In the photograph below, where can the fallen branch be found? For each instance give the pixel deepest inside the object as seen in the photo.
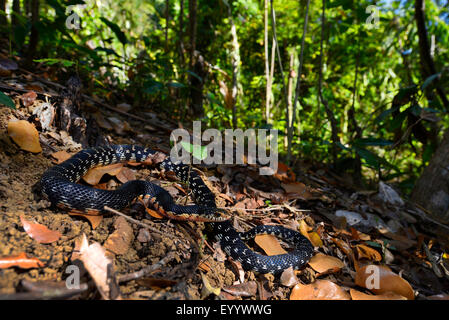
(147, 270)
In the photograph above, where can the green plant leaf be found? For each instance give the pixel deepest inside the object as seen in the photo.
(52, 61)
(7, 101)
(430, 79)
(116, 29)
(199, 152)
(372, 142)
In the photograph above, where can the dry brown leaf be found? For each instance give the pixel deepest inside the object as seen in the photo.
(208, 289)
(25, 135)
(120, 240)
(298, 188)
(94, 175)
(94, 220)
(21, 260)
(357, 295)
(321, 263)
(319, 290)
(288, 277)
(98, 265)
(246, 289)
(39, 232)
(269, 244)
(60, 156)
(343, 246)
(28, 98)
(380, 279)
(125, 175)
(365, 252)
(285, 173)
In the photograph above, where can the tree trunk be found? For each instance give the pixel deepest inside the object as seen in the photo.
(34, 36)
(431, 191)
(196, 65)
(3, 20)
(16, 10)
(427, 65)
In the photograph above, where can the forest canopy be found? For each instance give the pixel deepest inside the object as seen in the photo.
(348, 83)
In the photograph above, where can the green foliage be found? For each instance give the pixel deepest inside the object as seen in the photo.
(132, 47)
(7, 101)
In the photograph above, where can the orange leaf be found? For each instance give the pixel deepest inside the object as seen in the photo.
(25, 135)
(39, 232)
(357, 295)
(365, 252)
(94, 220)
(285, 173)
(304, 229)
(60, 156)
(380, 279)
(21, 260)
(94, 175)
(297, 188)
(315, 239)
(324, 263)
(269, 244)
(126, 175)
(319, 290)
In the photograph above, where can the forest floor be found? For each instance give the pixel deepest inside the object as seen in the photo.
(161, 259)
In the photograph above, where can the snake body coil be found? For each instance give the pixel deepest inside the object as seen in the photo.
(60, 188)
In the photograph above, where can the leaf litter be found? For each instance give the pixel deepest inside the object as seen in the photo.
(350, 230)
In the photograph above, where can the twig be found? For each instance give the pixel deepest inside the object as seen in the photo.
(147, 270)
(135, 221)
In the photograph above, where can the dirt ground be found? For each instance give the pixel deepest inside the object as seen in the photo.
(19, 196)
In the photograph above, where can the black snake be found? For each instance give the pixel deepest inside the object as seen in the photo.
(59, 186)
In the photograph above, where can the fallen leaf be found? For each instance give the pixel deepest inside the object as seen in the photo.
(357, 295)
(380, 279)
(25, 135)
(298, 188)
(319, 290)
(21, 260)
(269, 244)
(94, 175)
(284, 173)
(94, 220)
(120, 240)
(343, 246)
(246, 289)
(322, 263)
(46, 113)
(126, 175)
(28, 98)
(208, 289)
(288, 277)
(60, 156)
(304, 229)
(365, 252)
(99, 266)
(39, 232)
(315, 239)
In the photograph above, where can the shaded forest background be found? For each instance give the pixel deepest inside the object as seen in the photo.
(357, 85)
